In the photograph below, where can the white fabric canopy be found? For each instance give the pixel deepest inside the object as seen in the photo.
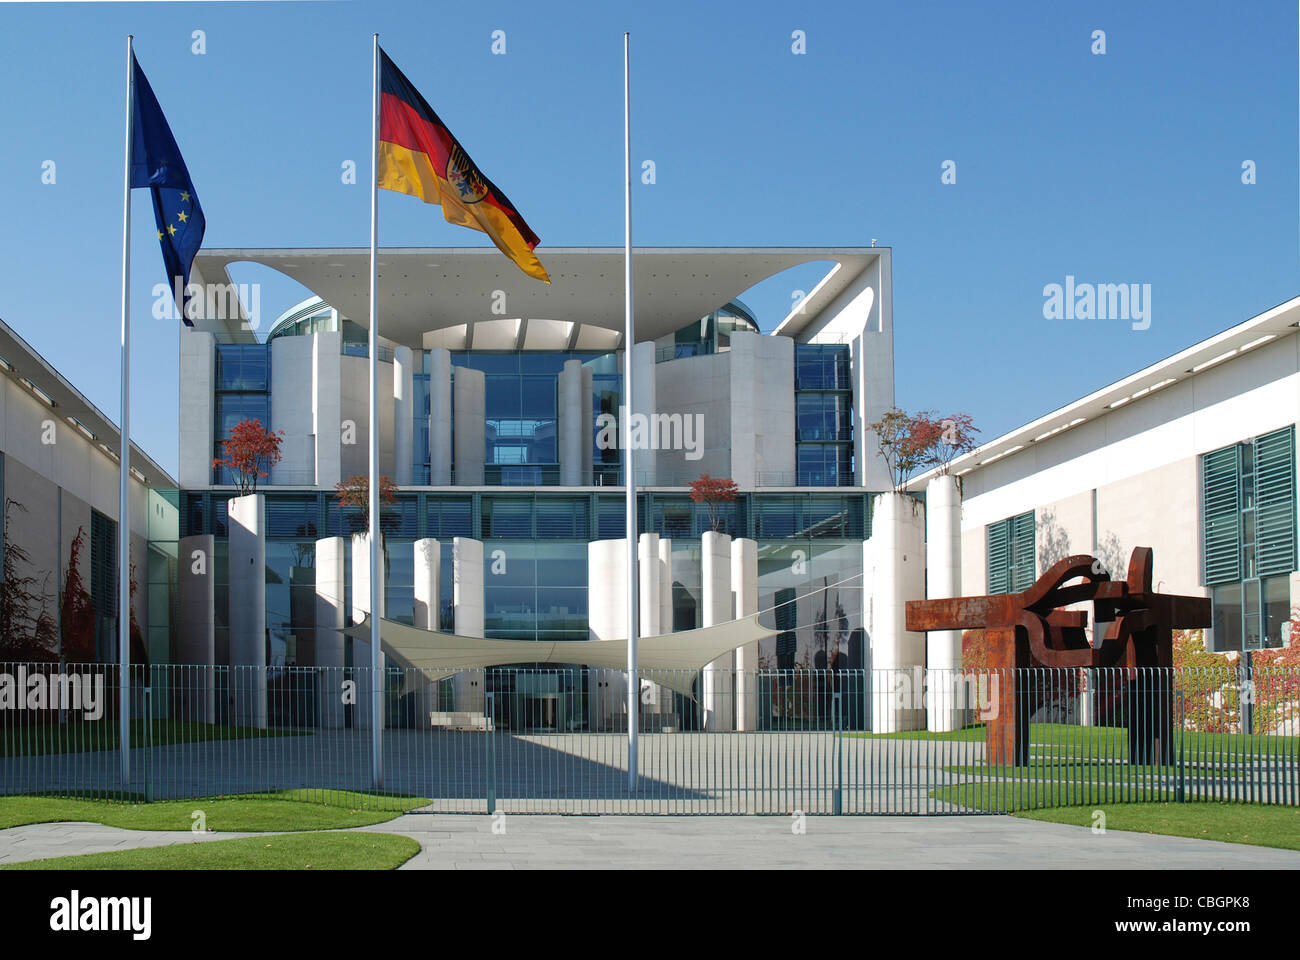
(670, 659)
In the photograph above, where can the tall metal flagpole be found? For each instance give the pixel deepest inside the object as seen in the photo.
(376, 571)
(629, 464)
(124, 464)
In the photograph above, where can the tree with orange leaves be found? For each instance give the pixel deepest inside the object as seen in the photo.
(250, 451)
(713, 491)
(355, 492)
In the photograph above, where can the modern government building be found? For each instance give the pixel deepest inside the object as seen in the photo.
(496, 394)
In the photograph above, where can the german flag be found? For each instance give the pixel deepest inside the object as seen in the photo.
(418, 155)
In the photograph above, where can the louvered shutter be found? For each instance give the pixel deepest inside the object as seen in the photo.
(1275, 502)
(1221, 515)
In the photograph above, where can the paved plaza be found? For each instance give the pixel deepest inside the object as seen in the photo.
(517, 842)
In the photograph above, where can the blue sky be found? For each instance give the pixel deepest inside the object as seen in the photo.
(1122, 168)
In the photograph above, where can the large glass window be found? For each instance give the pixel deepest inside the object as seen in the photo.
(520, 408)
(535, 591)
(822, 366)
(825, 464)
(242, 393)
(823, 415)
(243, 366)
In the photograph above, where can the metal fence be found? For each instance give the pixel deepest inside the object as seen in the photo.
(554, 740)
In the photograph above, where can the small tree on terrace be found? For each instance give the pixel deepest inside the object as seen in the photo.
(355, 492)
(894, 437)
(909, 442)
(938, 441)
(713, 491)
(250, 451)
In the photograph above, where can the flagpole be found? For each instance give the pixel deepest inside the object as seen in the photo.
(629, 342)
(124, 458)
(376, 571)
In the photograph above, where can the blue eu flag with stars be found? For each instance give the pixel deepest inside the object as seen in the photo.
(156, 163)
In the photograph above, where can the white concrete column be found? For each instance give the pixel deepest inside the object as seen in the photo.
(762, 408)
(247, 559)
(428, 582)
(196, 625)
(198, 373)
(588, 427)
(331, 618)
(362, 710)
(665, 586)
(643, 356)
(895, 555)
(467, 602)
(606, 620)
(744, 590)
(403, 414)
(440, 417)
(943, 580)
(717, 686)
(470, 439)
(327, 406)
(569, 427)
(648, 616)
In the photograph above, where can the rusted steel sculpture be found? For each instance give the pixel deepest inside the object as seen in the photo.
(1030, 629)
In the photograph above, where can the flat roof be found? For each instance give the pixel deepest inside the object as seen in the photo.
(29, 369)
(451, 296)
(1271, 325)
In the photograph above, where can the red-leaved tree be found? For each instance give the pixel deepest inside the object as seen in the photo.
(250, 451)
(355, 492)
(713, 492)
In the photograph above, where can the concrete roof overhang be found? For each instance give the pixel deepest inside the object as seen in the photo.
(439, 296)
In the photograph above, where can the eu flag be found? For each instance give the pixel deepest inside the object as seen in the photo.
(156, 163)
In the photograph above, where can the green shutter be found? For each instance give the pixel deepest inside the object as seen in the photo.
(1221, 515)
(1275, 502)
(999, 557)
(1023, 550)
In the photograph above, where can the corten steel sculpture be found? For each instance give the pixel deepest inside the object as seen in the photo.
(1030, 629)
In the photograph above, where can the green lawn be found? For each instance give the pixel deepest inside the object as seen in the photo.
(84, 736)
(289, 810)
(297, 851)
(1005, 796)
(1112, 742)
(1265, 826)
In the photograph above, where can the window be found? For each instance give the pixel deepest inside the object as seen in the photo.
(242, 393)
(1248, 528)
(1011, 565)
(243, 366)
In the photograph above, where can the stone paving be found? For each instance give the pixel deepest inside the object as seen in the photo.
(468, 842)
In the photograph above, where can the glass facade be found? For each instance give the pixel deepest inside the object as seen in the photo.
(535, 591)
(823, 415)
(243, 392)
(522, 416)
(710, 334)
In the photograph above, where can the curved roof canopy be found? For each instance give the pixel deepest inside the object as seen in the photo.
(670, 659)
(439, 296)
